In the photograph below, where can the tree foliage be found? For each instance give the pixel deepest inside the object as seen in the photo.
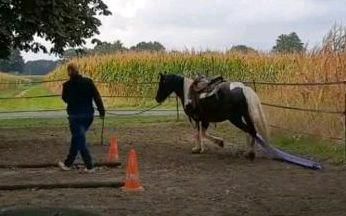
(64, 23)
(14, 63)
(99, 48)
(149, 46)
(289, 43)
(106, 47)
(103, 47)
(39, 67)
(242, 49)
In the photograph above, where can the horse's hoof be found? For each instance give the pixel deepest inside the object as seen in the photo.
(221, 144)
(203, 150)
(196, 150)
(251, 156)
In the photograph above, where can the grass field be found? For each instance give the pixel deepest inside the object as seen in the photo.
(30, 104)
(23, 89)
(20, 91)
(21, 103)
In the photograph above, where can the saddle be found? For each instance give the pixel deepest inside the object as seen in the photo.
(204, 85)
(202, 88)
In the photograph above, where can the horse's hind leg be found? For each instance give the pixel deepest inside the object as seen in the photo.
(251, 143)
(248, 128)
(253, 132)
(217, 140)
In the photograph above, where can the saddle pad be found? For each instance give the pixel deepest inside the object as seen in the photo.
(208, 94)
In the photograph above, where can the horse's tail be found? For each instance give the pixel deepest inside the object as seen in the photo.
(256, 112)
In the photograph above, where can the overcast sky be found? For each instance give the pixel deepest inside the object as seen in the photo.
(216, 24)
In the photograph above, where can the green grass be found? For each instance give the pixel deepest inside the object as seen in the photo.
(12, 92)
(32, 104)
(324, 150)
(29, 104)
(19, 103)
(34, 77)
(331, 151)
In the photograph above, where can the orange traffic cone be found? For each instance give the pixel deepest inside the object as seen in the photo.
(132, 175)
(113, 152)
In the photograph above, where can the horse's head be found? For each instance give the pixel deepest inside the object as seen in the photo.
(168, 83)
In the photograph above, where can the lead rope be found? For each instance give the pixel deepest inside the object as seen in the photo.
(137, 113)
(102, 131)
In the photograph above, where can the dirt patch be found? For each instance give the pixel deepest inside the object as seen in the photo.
(220, 182)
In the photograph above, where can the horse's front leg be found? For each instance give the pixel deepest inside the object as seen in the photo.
(199, 147)
(217, 140)
(214, 139)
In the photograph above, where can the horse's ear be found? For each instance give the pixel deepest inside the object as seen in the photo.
(160, 76)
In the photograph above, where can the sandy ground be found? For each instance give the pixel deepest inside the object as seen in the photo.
(220, 182)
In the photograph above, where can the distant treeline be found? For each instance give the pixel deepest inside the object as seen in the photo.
(103, 47)
(15, 64)
(39, 67)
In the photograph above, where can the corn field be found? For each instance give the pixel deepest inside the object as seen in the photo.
(123, 71)
(9, 81)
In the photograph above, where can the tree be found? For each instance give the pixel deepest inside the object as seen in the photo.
(14, 63)
(106, 47)
(242, 49)
(149, 46)
(335, 39)
(64, 23)
(99, 48)
(290, 43)
(71, 53)
(39, 67)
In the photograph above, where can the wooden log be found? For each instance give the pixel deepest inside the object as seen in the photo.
(48, 165)
(47, 186)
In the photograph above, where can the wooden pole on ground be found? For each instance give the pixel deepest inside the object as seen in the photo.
(49, 165)
(46, 186)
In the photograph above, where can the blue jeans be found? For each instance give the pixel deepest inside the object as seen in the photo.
(78, 127)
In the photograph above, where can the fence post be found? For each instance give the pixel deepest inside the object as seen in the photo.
(254, 85)
(177, 100)
(344, 127)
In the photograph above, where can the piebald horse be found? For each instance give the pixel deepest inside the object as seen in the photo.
(236, 103)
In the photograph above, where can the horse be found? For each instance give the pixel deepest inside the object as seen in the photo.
(235, 102)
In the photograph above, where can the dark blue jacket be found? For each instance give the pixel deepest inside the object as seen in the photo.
(79, 93)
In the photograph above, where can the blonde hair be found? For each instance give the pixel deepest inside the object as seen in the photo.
(72, 67)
